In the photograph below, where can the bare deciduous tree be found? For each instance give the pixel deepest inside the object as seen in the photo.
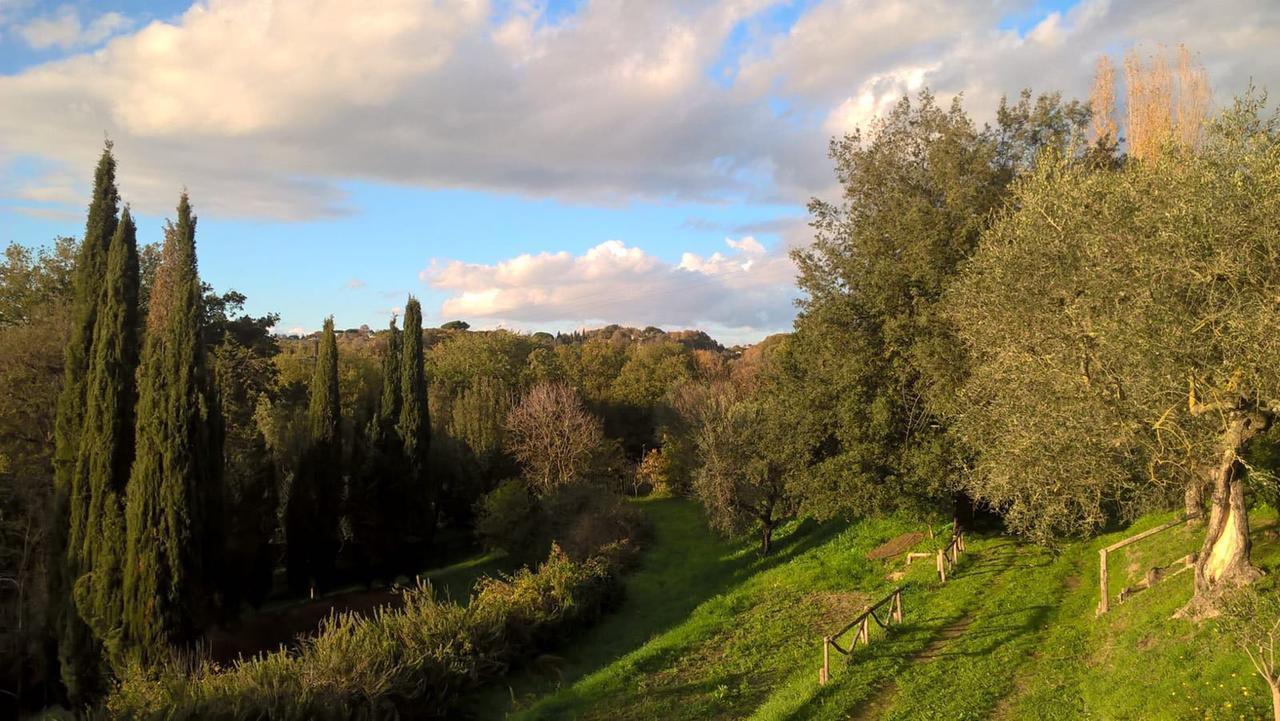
(553, 435)
(1102, 101)
(1164, 106)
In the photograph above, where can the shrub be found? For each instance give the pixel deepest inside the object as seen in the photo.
(580, 517)
(507, 518)
(412, 662)
(584, 519)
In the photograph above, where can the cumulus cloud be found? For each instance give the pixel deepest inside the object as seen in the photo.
(262, 109)
(65, 30)
(266, 109)
(849, 60)
(747, 289)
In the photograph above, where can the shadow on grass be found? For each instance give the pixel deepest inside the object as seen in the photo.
(684, 566)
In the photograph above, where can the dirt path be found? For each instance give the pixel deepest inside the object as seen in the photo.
(894, 547)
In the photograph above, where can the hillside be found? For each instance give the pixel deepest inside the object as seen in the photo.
(709, 630)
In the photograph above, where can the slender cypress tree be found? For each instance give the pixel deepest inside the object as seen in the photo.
(107, 441)
(389, 402)
(372, 501)
(414, 428)
(77, 654)
(314, 498)
(324, 416)
(164, 575)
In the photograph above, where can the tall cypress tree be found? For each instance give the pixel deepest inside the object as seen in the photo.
(414, 429)
(77, 653)
(389, 401)
(164, 575)
(372, 501)
(314, 498)
(107, 441)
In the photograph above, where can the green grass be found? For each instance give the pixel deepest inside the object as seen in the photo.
(709, 630)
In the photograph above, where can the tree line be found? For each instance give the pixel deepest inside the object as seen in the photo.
(1038, 317)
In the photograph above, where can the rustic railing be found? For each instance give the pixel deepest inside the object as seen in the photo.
(863, 623)
(1104, 602)
(948, 557)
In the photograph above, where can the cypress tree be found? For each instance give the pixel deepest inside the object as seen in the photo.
(312, 516)
(414, 429)
(175, 463)
(107, 441)
(389, 402)
(372, 501)
(77, 654)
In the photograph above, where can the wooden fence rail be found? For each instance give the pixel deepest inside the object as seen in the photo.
(1104, 602)
(893, 615)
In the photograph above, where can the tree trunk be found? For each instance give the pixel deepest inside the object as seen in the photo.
(1223, 561)
(766, 537)
(1275, 700)
(1193, 500)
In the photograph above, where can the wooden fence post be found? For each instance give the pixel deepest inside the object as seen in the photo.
(897, 607)
(826, 661)
(1103, 602)
(942, 566)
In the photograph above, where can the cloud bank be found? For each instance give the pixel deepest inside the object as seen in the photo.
(263, 109)
(744, 291)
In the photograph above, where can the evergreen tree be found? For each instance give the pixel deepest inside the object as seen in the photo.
(372, 500)
(414, 428)
(76, 652)
(107, 441)
(243, 376)
(312, 516)
(177, 461)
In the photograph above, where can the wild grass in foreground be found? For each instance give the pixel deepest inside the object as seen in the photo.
(406, 663)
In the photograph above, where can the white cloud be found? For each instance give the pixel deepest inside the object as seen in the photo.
(261, 109)
(265, 109)
(354, 284)
(64, 29)
(746, 290)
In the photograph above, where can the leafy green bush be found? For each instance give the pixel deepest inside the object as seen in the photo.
(407, 663)
(507, 518)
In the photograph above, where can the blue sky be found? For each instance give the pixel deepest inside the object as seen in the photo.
(518, 164)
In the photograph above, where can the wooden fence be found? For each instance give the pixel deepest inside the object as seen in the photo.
(1104, 602)
(950, 556)
(863, 623)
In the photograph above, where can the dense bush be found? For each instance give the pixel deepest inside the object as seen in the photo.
(407, 663)
(580, 518)
(507, 518)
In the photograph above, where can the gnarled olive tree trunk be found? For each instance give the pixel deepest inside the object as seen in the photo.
(1224, 558)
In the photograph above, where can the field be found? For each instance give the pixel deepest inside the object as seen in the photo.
(710, 630)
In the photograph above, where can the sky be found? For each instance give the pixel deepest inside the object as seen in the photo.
(522, 164)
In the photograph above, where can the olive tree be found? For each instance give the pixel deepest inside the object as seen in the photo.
(1122, 330)
(750, 455)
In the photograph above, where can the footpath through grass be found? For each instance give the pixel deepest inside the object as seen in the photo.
(710, 630)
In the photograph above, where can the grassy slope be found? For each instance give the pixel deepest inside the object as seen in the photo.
(710, 631)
